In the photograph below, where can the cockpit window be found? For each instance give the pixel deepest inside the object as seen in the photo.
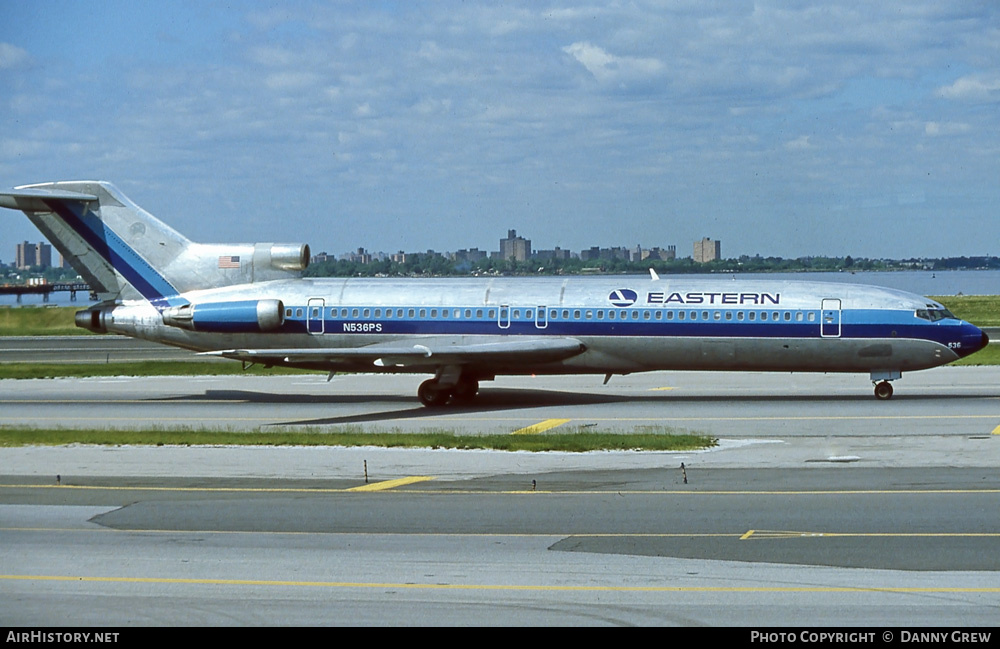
(934, 314)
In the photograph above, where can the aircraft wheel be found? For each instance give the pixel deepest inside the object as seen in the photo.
(883, 391)
(431, 396)
(466, 390)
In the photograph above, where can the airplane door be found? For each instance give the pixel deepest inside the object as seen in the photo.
(541, 317)
(314, 315)
(829, 325)
(503, 317)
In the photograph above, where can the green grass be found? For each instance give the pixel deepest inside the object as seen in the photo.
(39, 321)
(646, 439)
(980, 310)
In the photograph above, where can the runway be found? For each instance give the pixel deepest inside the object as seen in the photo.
(821, 506)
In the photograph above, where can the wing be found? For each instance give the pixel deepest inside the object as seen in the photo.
(430, 352)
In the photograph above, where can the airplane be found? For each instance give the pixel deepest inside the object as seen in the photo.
(249, 302)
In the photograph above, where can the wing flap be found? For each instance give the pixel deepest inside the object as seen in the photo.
(415, 352)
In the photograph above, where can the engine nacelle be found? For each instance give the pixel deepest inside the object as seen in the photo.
(244, 316)
(284, 256)
(93, 319)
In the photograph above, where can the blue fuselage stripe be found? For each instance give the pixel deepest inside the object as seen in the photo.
(858, 324)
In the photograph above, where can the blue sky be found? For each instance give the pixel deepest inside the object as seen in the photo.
(780, 128)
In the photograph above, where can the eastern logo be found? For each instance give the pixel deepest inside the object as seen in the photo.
(623, 297)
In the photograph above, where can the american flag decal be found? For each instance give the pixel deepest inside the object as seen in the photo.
(229, 261)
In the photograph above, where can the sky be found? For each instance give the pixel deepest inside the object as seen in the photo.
(789, 129)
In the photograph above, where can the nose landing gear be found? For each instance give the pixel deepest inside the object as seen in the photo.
(883, 391)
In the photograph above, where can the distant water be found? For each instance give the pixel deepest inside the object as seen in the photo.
(922, 282)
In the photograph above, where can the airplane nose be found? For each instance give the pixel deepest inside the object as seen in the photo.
(986, 340)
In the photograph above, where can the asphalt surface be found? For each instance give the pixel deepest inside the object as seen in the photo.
(820, 507)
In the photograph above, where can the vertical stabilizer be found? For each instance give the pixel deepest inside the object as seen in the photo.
(126, 253)
(115, 245)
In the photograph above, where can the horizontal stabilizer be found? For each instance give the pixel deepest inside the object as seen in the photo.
(34, 200)
(420, 351)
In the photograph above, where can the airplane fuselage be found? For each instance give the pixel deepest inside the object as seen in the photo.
(626, 324)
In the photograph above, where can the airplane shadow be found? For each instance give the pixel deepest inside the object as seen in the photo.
(508, 399)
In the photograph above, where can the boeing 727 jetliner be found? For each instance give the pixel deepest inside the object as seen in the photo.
(248, 302)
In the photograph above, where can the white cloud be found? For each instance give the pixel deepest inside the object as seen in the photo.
(610, 68)
(972, 89)
(934, 129)
(12, 56)
(800, 143)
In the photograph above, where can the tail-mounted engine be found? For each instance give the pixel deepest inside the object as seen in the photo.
(245, 316)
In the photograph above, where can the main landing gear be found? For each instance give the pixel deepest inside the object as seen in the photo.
(435, 393)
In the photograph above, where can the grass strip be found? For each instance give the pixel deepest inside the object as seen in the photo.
(645, 439)
(980, 310)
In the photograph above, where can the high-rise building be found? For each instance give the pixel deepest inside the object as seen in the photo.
(515, 247)
(33, 254)
(707, 250)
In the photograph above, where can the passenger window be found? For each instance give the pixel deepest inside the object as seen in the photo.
(670, 315)
(468, 313)
(611, 315)
(354, 313)
(288, 313)
(812, 316)
(576, 314)
(659, 315)
(378, 313)
(694, 315)
(718, 316)
(646, 315)
(763, 315)
(298, 313)
(479, 313)
(752, 315)
(739, 315)
(434, 313)
(492, 313)
(680, 315)
(423, 313)
(410, 313)
(729, 315)
(367, 313)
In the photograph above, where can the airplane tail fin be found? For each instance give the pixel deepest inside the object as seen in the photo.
(124, 252)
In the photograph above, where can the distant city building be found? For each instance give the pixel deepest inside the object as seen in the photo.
(474, 254)
(33, 254)
(668, 254)
(515, 247)
(707, 250)
(558, 254)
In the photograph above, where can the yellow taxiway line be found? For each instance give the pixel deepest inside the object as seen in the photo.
(540, 427)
